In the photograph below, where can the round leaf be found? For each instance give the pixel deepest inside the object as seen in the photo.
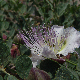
(11, 78)
(4, 53)
(23, 66)
(1, 78)
(65, 74)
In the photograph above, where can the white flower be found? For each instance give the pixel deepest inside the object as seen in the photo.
(50, 42)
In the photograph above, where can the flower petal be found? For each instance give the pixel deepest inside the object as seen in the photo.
(72, 36)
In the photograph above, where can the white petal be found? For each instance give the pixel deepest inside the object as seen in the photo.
(71, 41)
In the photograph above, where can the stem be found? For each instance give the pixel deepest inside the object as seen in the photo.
(2, 69)
(6, 72)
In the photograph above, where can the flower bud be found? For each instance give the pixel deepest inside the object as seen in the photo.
(4, 37)
(14, 51)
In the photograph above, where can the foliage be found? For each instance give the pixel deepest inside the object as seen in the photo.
(1, 78)
(11, 78)
(23, 66)
(18, 15)
(66, 74)
(4, 53)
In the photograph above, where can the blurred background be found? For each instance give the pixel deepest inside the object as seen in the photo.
(24, 13)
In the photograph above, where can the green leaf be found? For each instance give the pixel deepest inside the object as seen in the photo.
(1, 0)
(68, 18)
(51, 1)
(66, 74)
(5, 62)
(78, 50)
(1, 11)
(28, 52)
(4, 53)
(1, 78)
(78, 73)
(4, 25)
(72, 62)
(40, 11)
(23, 49)
(1, 17)
(74, 73)
(70, 22)
(10, 14)
(9, 43)
(78, 65)
(6, 7)
(23, 66)
(5, 77)
(50, 74)
(14, 2)
(50, 14)
(50, 4)
(58, 78)
(23, 9)
(3, 3)
(12, 60)
(31, 9)
(61, 8)
(12, 31)
(11, 77)
(47, 19)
